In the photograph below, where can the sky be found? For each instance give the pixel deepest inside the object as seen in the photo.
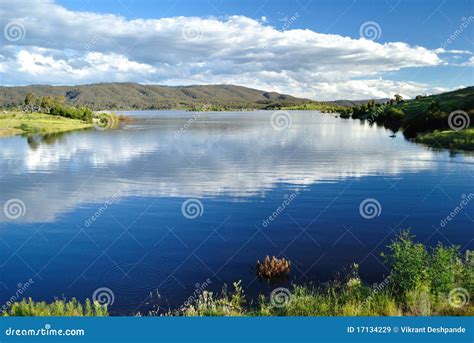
(323, 50)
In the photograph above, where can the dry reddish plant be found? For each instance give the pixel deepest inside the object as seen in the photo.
(273, 268)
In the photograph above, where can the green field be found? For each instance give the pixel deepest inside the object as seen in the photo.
(453, 140)
(16, 123)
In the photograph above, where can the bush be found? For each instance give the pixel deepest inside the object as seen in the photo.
(273, 268)
(393, 113)
(27, 307)
(422, 279)
(409, 265)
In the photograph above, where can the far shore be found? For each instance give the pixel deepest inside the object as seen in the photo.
(20, 123)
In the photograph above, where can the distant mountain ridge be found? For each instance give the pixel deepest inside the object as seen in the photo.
(102, 96)
(123, 96)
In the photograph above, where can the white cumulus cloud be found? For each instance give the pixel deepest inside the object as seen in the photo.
(70, 47)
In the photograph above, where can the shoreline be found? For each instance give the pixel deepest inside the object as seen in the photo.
(14, 123)
(20, 123)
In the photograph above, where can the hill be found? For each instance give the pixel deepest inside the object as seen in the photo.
(104, 96)
(441, 120)
(351, 103)
(460, 99)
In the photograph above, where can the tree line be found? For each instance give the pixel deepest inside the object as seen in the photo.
(55, 106)
(422, 114)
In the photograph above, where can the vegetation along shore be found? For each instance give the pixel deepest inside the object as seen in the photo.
(441, 121)
(421, 282)
(51, 115)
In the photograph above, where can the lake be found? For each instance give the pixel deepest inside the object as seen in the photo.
(172, 201)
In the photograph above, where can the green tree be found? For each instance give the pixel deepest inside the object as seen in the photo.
(47, 103)
(30, 101)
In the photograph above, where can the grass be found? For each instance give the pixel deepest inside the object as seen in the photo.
(14, 123)
(314, 106)
(454, 140)
(449, 101)
(29, 308)
(421, 282)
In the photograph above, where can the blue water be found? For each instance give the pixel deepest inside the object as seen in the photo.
(241, 170)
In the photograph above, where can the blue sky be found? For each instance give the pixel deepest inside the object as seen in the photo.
(331, 58)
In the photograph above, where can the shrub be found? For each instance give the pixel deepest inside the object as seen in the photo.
(273, 268)
(409, 264)
(28, 307)
(422, 279)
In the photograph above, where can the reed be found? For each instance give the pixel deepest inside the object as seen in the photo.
(273, 268)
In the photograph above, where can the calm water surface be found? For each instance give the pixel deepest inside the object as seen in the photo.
(105, 208)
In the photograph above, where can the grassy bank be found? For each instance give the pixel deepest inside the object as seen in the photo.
(15, 123)
(426, 119)
(422, 282)
(30, 308)
(453, 140)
